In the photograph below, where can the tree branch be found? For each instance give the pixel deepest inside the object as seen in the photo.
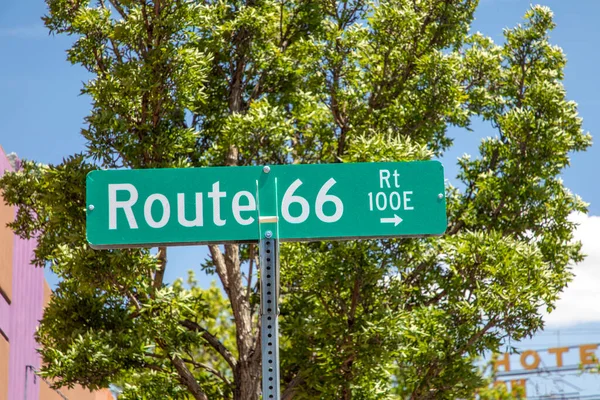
(119, 9)
(213, 341)
(238, 300)
(186, 378)
(491, 323)
(209, 369)
(162, 265)
(354, 303)
(290, 390)
(219, 262)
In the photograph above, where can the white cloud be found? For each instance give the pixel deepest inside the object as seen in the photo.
(579, 301)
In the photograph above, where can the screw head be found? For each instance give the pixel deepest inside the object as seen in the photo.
(266, 169)
(268, 234)
(91, 207)
(440, 196)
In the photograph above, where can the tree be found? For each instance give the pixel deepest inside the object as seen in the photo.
(500, 392)
(191, 84)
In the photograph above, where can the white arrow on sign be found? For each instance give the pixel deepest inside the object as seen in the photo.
(396, 220)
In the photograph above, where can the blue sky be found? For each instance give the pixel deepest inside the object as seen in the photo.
(41, 113)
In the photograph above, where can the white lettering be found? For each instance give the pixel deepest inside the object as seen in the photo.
(126, 205)
(395, 201)
(183, 221)
(237, 208)
(396, 175)
(323, 197)
(385, 178)
(381, 201)
(216, 195)
(406, 200)
(166, 210)
(288, 199)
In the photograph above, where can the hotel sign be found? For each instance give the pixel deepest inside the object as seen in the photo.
(530, 360)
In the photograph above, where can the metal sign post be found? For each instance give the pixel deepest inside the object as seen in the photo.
(268, 222)
(269, 296)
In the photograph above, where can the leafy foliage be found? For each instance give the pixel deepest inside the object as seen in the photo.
(190, 84)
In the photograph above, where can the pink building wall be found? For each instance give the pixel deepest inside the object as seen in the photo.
(20, 313)
(19, 319)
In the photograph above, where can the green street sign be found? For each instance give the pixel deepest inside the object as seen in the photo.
(129, 208)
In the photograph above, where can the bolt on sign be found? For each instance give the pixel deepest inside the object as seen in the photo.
(128, 208)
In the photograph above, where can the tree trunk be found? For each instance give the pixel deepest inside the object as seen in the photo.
(247, 381)
(247, 369)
